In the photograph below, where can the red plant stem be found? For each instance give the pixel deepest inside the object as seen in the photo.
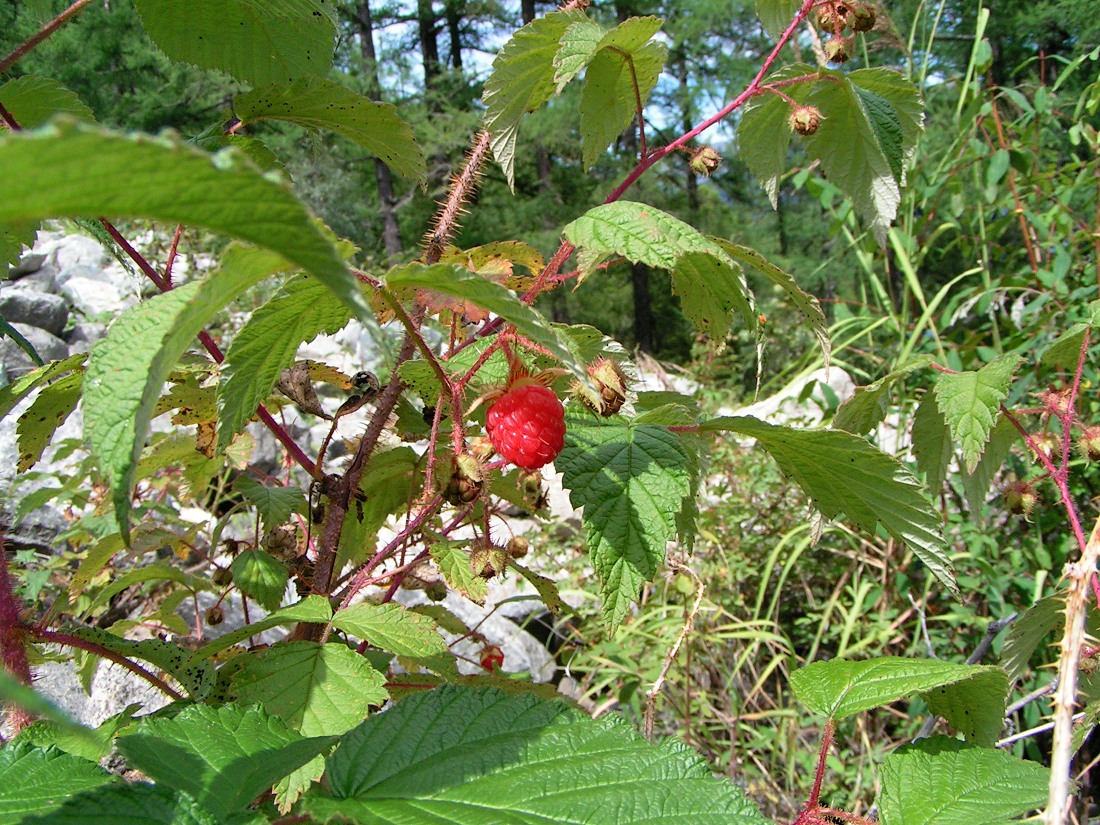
(68, 640)
(751, 90)
(42, 34)
(135, 256)
(362, 577)
(340, 500)
(819, 774)
(172, 254)
(13, 651)
(9, 119)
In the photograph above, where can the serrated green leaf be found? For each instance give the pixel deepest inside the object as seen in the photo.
(638, 232)
(631, 481)
(970, 403)
(974, 707)
(522, 80)
(609, 100)
(13, 238)
(385, 489)
(547, 589)
(274, 504)
(841, 472)
(710, 291)
(196, 677)
(128, 803)
(127, 369)
(223, 757)
(35, 427)
(931, 442)
(266, 345)
(11, 394)
(256, 41)
(941, 781)
(867, 407)
(460, 282)
(776, 15)
(575, 48)
(1066, 349)
(319, 690)
(34, 100)
(33, 781)
(87, 743)
(483, 756)
(319, 103)
(260, 576)
(313, 609)
(454, 563)
(976, 484)
(840, 688)
(67, 169)
(1027, 633)
(764, 135)
(393, 628)
(806, 304)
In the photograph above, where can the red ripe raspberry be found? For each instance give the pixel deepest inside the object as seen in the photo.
(527, 425)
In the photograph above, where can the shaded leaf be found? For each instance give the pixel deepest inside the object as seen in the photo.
(319, 103)
(931, 442)
(609, 100)
(266, 345)
(223, 757)
(976, 485)
(867, 407)
(275, 504)
(1028, 632)
(711, 290)
(260, 576)
(776, 15)
(34, 100)
(256, 41)
(841, 472)
(806, 304)
(974, 707)
(128, 803)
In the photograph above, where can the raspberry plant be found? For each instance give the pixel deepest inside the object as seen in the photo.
(291, 732)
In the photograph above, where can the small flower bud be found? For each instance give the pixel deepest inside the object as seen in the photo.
(862, 17)
(488, 560)
(805, 120)
(1019, 498)
(1088, 443)
(517, 547)
(704, 161)
(466, 481)
(215, 616)
(837, 50)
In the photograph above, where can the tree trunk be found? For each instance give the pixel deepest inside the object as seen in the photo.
(391, 235)
(643, 307)
(429, 50)
(527, 9)
(453, 11)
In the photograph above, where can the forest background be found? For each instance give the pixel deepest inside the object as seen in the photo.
(995, 251)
